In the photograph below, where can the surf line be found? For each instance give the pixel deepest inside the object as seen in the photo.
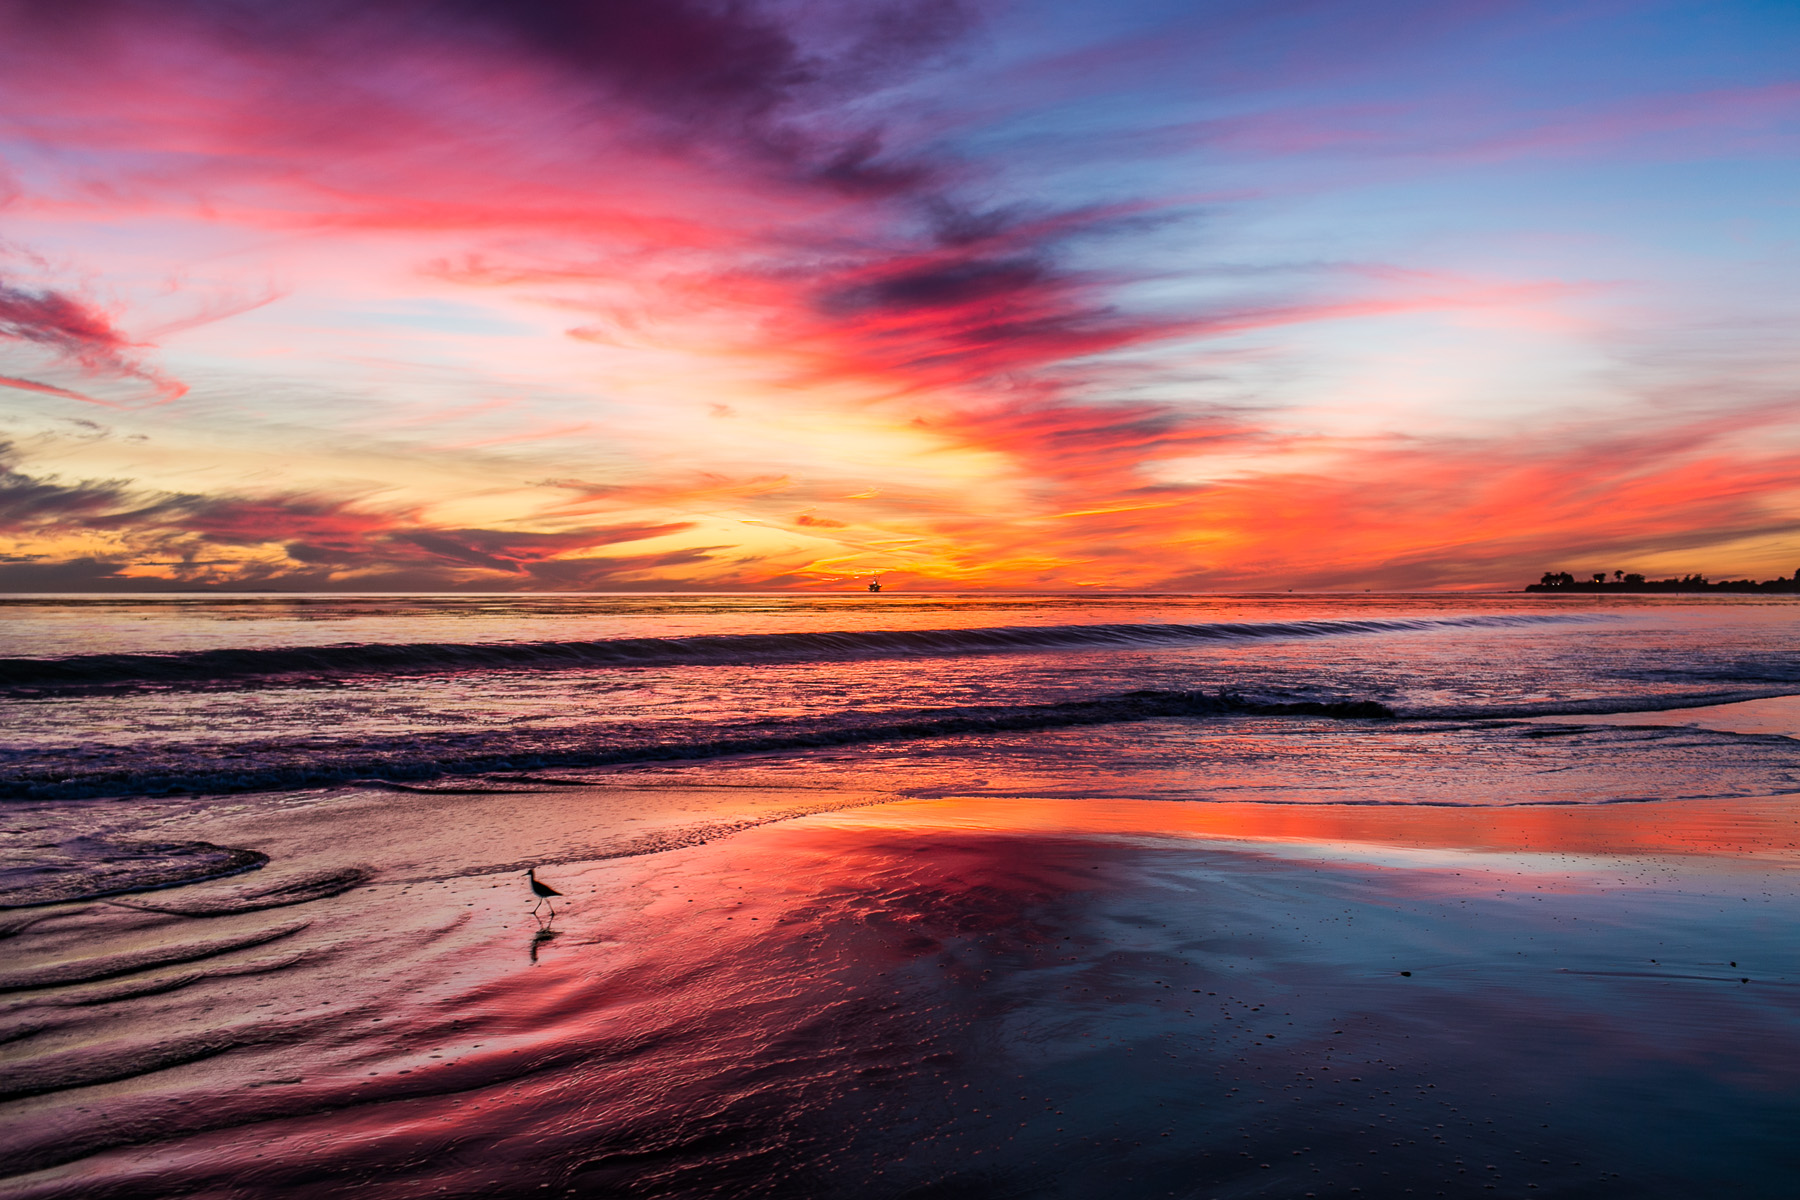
(416, 760)
(297, 663)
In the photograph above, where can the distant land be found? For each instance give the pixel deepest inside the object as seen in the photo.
(1622, 581)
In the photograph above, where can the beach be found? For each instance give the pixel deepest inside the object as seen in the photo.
(1237, 953)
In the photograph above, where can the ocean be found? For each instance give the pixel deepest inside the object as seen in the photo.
(908, 895)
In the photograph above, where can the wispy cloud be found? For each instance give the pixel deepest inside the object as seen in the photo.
(74, 333)
(240, 540)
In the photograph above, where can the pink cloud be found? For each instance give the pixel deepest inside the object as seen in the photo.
(74, 333)
(32, 385)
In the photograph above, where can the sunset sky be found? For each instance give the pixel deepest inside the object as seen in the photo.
(1030, 295)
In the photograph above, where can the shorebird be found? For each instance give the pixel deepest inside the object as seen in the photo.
(541, 890)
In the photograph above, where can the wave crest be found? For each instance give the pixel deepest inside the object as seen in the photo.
(238, 665)
(278, 765)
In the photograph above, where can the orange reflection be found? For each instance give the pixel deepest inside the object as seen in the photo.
(1762, 828)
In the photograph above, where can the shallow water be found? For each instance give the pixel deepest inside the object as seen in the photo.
(1465, 949)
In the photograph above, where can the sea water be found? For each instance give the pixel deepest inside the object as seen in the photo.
(134, 695)
(899, 895)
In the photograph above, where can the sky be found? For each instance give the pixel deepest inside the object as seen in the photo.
(1040, 295)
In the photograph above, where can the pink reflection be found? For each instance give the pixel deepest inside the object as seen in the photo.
(885, 994)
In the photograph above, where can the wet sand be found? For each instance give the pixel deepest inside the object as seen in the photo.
(1774, 715)
(818, 991)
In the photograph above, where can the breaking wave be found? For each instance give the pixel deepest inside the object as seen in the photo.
(238, 665)
(436, 759)
(270, 765)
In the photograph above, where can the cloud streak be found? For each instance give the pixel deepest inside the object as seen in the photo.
(74, 333)
(335, 542)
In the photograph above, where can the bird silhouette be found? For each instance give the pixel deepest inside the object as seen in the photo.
(541, 890)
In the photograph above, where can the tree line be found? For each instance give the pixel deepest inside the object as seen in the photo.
(1631, 581)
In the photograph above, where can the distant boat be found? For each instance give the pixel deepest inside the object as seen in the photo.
(875, 584)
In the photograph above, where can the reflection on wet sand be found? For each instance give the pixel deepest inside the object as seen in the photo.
(946, 996)
(1763, 829)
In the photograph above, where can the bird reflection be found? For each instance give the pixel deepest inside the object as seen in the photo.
(543, 892)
